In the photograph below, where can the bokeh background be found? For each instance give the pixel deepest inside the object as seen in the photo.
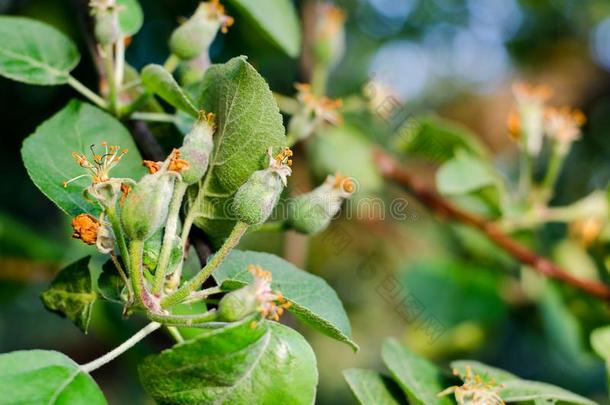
(456, 58)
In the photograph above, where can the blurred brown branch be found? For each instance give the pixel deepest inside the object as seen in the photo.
(393, 171)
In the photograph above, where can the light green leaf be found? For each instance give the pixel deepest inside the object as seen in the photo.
(159, 81)
(45, 377)
(47, 154)
(344, 149)
(372, 388)
(420, 380)
(71, 294)
(600, 341)
(515, 389)
(277, 20)
(436, 139)
(248, 122)
(130, 17)
(237, 364)
(313, 300)
(463, 174)
(34, 52)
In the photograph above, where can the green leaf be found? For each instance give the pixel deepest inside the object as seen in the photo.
(344, 149)
(34, 52)
(372, 388)
(237, 364)
(313, 300)
(419, 379)
(47, 154)
(600, 341)
(515, 389)
(109, 283)
(130, 17)
(71, 294)
(159, 81)
(436, 139)
(277, 20)
(248, 122)
(44, 377)
(463, 174)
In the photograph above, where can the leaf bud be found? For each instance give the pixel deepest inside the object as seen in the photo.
(255, 199)
(312, 212)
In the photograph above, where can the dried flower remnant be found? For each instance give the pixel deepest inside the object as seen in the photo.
(271, 303)
(315, 112)
(85, 227)
(98, 168)
(526, 122)
(475, 390)
(563, 124)
(322, 107)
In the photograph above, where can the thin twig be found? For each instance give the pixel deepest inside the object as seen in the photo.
(392, 170)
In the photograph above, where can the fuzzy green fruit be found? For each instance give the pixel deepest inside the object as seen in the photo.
(145, 209)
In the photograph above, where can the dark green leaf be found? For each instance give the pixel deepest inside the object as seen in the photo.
(313, 300)
(275, 19)
(130, 17)
(47, 154)
(372, 388)
(71, 294)
(248, 122)
(45, 377)
(35, 53)
(237, 364)
(515, 389)
(109, 284)
(420, 380)
(159, 81)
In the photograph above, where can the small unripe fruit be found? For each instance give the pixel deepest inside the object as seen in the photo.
(238, 304)
(107, 30)
(312, 212)
(255, 199)
(145, 208)
(194, 37)
(197, 147)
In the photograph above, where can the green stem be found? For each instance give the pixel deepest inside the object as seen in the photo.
(123, 276)
(278, 226)
(553, 171)
(184, 320)
(525, 174)
(109, 67)
(171, 227)
(122, 348)
(119, 63)
(153, 117)
(196, 282)
(84, 90)
(171, 63)
(117, 229)
(175, 333)
(319, 79)
(136, 248)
